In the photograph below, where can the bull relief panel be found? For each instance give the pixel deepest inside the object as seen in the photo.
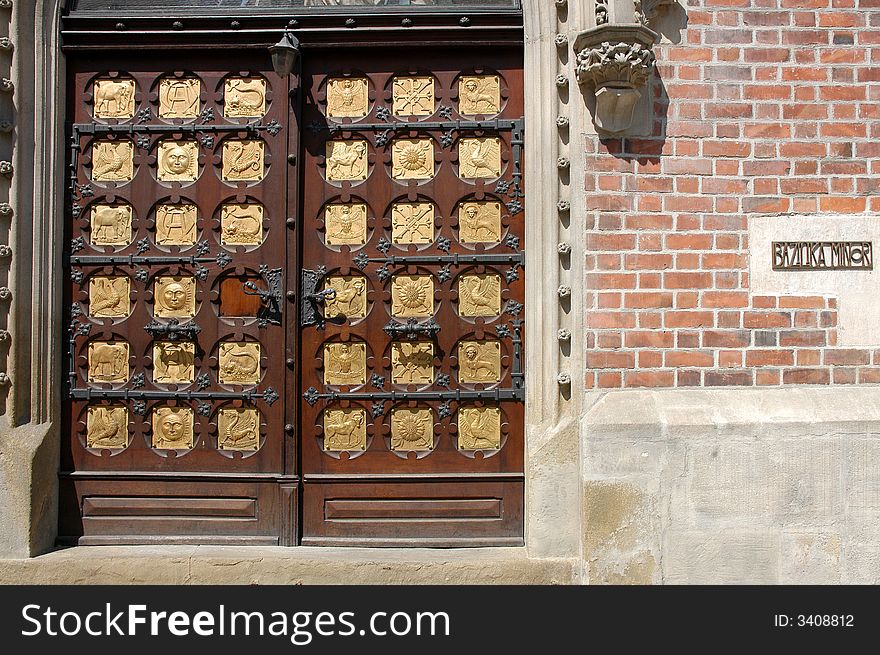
(345, 224)
(109, 296)
(238, 429)
(178, 161)
(107, 427)
(413, 96)
(479, 95)
(114, 98)
(112, 161)
(346, 160)
(108, 361)
(412, 222)
(179, 97)
(412, 429)
(345, 363)
(241, 224)
(175, 297)
(345, 429)
(347, 97)
(173, 428)
(240, 362)
(479, 428)
(176, 224)
(174, 362)
(110, 225)
(243, 160)
(244, 97)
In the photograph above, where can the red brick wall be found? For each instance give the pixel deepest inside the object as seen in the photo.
(766, 107)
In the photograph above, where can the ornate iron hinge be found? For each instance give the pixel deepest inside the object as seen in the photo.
(312, 395)
(270, 297)
(268, 396)
(411, 329)
(312, 299)
(173, 330)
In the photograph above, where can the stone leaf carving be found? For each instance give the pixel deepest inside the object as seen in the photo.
(629, 63)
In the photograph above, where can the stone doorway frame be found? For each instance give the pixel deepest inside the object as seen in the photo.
(30, 428)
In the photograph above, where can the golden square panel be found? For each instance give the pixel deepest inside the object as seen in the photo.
(114, 98)
(413, 96)
(479, 222)
(347, 97)
(108, 361)
(479, 361)
(412, 362)
(241, 224)
(112, 161)
(174, 296)
(412, 295)
(345, 224)
(176, 224)
(479, 157)
(244, 97)
(109, 296)
(479, 94)
(172, 427)
(243, 160)
(479, 428)
(412, 159)
(238, 429)
(345, 363)
(174, 362)
(178, 161)
(479, 295)
(351, 296)
(412, 222)
(345, 429)
(346, 160)
(110, 225)
(179, 97)
(239, 362)
(412, 429)
(107, 427)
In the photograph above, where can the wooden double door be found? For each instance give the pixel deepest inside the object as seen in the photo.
(295, 304)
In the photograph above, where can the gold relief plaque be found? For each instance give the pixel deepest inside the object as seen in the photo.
(241, 224)
(479, 295)
(412, 222)
(479, 361)
(479, 158)
(413, 96)
(479, 94)
(238, 429)
(412, 362)
(112, 161)
(107, 427)
(347, 97)
(479, 428)
(174, 362)
(173, 427)
(174, 297)
(412, 159)
(346, 160)
(412, 295)
(345, 224)
(479, 222)
(244, 97)
(243, 160)
(412, 429)
(345, 429)
(240, 362)
(351, 296)
(179, 98)
(110, 225)
(345, 363)
(178, 161)
(176, 224)
(108, 361)
(109, 296)
(114, 99)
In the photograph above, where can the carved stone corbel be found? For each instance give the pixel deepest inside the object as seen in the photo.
(614, 62)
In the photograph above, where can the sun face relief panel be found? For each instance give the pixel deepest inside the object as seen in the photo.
(413, 293)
